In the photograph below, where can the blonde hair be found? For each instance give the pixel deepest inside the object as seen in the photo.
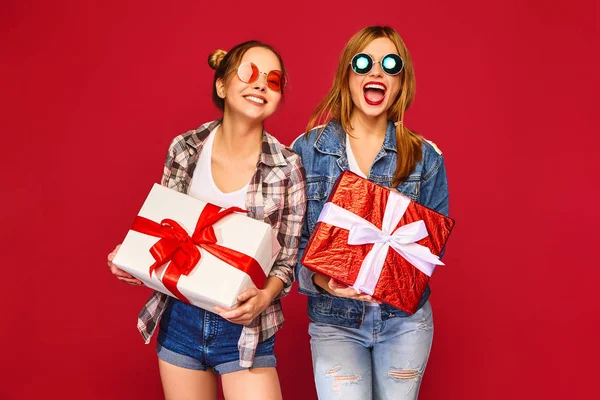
(215, 58)
(225, 63)
(337, 104)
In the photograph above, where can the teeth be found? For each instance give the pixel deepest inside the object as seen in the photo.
(255, 99)
(375, 86)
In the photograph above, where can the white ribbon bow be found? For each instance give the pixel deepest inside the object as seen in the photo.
(402, 240)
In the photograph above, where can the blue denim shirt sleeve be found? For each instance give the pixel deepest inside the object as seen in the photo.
(434, 188)
(304, 275)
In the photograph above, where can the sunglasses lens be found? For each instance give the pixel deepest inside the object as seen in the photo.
(247, 72)
(362, 63)
(275, 80)
(392, 64)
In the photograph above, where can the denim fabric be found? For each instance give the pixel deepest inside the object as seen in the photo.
(324, 159)
(382, 360)
(193, 338)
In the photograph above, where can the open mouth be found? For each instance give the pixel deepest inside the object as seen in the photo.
(374, 93)
(256, 100)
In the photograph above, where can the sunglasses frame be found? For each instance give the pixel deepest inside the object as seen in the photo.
(373, 62)
(254, 67)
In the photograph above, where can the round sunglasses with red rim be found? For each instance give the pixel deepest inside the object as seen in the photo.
(248, 73)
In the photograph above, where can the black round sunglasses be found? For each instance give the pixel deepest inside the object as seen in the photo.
(391, 64)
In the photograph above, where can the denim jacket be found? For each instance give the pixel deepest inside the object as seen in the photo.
(324, 158)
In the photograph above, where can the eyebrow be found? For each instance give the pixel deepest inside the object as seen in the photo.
(393, 52)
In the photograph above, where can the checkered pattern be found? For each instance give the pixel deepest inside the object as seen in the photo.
(276, 195)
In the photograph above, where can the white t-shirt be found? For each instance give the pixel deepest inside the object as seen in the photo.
(352, 161)
(356, 169)
(203, 186)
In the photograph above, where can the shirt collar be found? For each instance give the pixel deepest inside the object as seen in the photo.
(270, 155)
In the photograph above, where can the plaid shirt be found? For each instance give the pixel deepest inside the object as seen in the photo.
(276, 194)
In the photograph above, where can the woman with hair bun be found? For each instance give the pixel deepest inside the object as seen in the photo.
(232, 162)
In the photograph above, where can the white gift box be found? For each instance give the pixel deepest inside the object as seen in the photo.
(212, 281)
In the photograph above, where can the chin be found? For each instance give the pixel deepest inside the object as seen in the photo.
(256, 117)
(371, 111)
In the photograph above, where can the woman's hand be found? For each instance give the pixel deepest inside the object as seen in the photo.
(338, 289)
(252, 303)
(119, 273)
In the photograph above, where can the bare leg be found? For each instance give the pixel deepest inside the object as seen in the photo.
(187, 384)
(252, 384)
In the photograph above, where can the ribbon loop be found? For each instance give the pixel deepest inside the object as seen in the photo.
(361, 234)
(410, 233)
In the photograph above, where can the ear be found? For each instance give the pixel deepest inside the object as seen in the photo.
(220, 86)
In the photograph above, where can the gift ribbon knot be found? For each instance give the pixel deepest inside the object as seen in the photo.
(181, 250)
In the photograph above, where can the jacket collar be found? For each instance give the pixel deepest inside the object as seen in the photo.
(332, 139)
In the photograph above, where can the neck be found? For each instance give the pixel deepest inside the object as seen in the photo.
(364, 125)
(239, 137)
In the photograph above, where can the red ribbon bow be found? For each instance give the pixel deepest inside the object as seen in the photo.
(181, 249)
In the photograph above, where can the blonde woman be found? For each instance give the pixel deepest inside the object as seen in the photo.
(361, 349)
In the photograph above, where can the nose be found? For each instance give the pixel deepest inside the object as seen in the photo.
(261, 82)
(376, 70)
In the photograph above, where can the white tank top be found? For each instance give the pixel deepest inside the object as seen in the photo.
(203, 186)
(353, 165)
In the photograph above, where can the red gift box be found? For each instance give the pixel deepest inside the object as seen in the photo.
(378, 241)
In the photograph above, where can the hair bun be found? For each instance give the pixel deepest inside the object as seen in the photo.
(215, 58)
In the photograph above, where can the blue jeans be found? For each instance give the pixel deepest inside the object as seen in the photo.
(193, 338)
(381, 360)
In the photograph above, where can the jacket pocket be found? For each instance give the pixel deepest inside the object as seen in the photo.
(316, 194)
(410, 187)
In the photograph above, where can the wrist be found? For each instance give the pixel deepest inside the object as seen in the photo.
(321, 282)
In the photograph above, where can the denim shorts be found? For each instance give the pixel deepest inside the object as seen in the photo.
(193, 338)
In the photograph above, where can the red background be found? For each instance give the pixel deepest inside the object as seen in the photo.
(93, 92)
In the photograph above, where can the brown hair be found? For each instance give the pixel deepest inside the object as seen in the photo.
(225, 63)
(337, 104)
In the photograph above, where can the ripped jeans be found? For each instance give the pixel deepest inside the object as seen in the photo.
(382, 360)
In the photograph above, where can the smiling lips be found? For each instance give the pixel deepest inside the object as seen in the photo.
(259, 100)
(374, 93)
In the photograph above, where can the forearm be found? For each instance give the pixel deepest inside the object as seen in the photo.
(273, 287)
